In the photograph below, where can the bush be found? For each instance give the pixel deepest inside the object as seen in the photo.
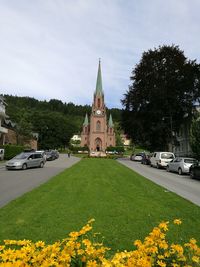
(12, 150)
(114, 149)
(79, 148)
(78, 250)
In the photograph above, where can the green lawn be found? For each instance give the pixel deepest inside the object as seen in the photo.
(124, 204)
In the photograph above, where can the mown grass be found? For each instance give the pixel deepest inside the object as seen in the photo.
(125, 205)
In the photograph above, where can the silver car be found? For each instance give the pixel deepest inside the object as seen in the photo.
(26, 160)
(180, 165)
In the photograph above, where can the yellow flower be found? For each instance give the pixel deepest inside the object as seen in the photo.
(91, 220)
(164, 225)
(177, 221)
(161, 263)
(195, 259)
(40, 244)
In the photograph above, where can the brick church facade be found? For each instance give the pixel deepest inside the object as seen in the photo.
(97, 132)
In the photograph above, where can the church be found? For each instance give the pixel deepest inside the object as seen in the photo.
(98, 132)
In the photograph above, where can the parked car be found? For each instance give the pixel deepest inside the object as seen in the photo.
(51, 155)
(145, 159)
(180, 165)
(195, 171)
(26, 160)
(137, 157)
(43, 154)
(161, 159)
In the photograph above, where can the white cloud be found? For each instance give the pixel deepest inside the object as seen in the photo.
(50, 48)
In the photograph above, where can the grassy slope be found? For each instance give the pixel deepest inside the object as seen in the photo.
(125, 205)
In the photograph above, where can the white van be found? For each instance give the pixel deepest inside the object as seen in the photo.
(1, 153)
(161, 159)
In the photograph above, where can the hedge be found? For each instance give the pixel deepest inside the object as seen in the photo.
(12, 150)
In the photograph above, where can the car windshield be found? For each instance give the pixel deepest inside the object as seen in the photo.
(21, 156)
(167, 156)
(190, 161)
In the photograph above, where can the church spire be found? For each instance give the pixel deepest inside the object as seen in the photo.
(110, 122)
(86, 120)
(99, 90)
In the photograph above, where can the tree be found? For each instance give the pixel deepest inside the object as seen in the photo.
(164, 86)
(54, 129)
(23, 128)
(195, 137)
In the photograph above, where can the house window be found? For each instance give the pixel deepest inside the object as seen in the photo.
(98, 126)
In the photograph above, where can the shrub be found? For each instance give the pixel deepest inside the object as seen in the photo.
(12, 150)
(78, 250)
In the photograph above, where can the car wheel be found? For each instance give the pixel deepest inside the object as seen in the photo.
(180, 171)
(24, 166)
(167, 169)
(192, 174)
(41, 164)
(157, 166)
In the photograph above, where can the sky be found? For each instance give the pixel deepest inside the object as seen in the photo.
(49, 49)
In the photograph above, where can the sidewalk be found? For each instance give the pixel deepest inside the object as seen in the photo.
(2, 164)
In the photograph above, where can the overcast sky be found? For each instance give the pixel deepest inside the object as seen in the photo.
(50, 48)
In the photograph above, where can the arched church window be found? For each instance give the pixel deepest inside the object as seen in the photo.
(98, 102)
(98, 126)
(110, 130)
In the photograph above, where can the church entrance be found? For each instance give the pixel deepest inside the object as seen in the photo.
(98, 144)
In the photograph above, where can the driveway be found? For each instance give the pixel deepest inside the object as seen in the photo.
(182, 185)
(15, 183)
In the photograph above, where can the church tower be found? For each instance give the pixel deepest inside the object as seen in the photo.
(98, 134)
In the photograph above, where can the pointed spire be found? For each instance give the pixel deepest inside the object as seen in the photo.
(99, 90)
(110, 122)
(86, 120)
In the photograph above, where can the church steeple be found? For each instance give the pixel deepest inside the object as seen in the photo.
(99, 89)
(86, 120)
(110, 122)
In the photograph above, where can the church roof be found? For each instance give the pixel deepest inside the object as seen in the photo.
(86, 120)
(99, 89)
(110, 122)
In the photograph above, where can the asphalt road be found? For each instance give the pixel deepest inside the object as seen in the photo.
(15, 183)
(182, 185)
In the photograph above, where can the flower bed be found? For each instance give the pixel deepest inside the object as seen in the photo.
(79, 250)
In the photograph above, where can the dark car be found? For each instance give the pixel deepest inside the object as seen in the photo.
(145, 159)
(195, 171)
(52, 154)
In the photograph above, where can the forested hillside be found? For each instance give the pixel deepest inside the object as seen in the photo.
(53, 120)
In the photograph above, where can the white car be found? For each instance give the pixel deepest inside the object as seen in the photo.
(181, 165)
(161, 159)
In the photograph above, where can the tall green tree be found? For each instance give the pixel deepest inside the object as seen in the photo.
(195, 137)
(54, 129)
(164, 86)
